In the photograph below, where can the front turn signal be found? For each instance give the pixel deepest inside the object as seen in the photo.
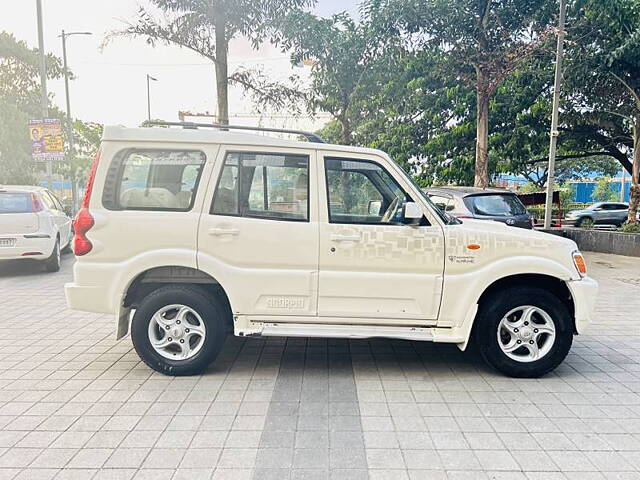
(580, 264)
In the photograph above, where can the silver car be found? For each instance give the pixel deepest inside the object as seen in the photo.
(600, 213)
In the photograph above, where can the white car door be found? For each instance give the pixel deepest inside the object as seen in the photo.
(258, 234)
(374, 269)
(61, 219)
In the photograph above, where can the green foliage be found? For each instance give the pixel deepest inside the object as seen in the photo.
(604, 192)
(19, 103)
(631, 227)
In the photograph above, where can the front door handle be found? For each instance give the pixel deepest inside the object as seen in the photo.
(223, 231)
(345, 238)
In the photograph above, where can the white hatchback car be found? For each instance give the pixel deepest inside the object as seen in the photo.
(33, 225)
(187, 234)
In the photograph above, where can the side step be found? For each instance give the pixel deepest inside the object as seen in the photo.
(338, 331)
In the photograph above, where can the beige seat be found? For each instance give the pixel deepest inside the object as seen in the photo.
(148, 198)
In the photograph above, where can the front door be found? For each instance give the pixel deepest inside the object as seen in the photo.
(259, 237)
(375, 268)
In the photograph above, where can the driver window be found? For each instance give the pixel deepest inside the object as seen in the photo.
(360, 191)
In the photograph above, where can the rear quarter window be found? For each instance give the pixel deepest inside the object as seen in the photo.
(15, 202)
(153, 179)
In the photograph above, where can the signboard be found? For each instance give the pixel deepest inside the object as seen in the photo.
(46, 140)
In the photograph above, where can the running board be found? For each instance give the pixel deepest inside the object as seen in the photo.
(427, 334)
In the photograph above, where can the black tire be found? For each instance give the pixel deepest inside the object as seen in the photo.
(494, 308)
(582, 220)
(52, 264)
(208, 306)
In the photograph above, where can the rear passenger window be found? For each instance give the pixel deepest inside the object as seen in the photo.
(165, 180)
(263, 185)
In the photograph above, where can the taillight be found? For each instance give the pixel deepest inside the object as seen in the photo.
(36, 204)
(84, 220)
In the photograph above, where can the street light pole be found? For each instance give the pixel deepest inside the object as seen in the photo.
(149, 77)
(554, 118)
(74, 190)
(44, 99)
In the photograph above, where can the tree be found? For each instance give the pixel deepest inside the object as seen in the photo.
(603, 191)
(206, 27)
(345, 56)
(20, 102)
(479, 42)
(606, 58)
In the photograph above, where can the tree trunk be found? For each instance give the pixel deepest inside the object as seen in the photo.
(346, 131)
(222, 73)
(482, 134)
(634, 199)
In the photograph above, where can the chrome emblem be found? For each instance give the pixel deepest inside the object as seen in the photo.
(511, 221)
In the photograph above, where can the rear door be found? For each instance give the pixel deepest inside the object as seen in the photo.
(59, 217)
(258, 234)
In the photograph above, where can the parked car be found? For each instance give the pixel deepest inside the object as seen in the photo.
(187, 234)
(600, 213)
(481, 204)
(33, 225)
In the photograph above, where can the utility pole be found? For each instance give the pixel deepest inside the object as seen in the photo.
(74, 189)
(622, 185)
(554, 118)
(149, 77)
(44, 99)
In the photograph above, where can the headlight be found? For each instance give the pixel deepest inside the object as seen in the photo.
(581, 265)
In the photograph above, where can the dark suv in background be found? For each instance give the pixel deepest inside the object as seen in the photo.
(481, 204)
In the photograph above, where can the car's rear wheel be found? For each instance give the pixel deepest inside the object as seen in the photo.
(52, 264)
(179, 330)
(523, 331)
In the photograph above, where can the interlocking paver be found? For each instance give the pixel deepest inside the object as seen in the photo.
(75, 404)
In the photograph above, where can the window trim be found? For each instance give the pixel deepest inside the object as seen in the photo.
(239, 166)
(116, 170)
(326, 185)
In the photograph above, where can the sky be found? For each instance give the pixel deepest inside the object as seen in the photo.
(110, 83)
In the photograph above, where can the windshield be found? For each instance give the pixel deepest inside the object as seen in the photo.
(15, 202)
(499, 205)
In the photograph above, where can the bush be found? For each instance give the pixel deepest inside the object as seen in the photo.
(631, 227)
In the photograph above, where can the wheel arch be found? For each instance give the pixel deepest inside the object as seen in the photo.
(554, 285)
(154, 278)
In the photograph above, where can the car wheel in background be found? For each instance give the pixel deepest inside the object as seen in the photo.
(523, 331)
(52, 264)
(585, 222)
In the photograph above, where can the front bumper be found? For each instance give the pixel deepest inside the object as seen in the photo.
(584, 293)
(35, 246)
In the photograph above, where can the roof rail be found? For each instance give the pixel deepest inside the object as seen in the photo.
(312, 137)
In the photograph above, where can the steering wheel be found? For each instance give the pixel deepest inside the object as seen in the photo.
(391, 211)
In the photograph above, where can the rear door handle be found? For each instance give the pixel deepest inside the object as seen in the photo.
(223, 231)
(345, 238)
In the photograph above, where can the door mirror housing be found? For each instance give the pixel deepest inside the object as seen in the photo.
(412, 212)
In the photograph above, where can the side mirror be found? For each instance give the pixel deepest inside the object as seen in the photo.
(374, 207)
(412, 212)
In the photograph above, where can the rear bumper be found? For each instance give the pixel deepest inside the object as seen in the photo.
(584, 293)
(34, 245)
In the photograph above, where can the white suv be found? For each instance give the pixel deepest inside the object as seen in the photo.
(187, 234)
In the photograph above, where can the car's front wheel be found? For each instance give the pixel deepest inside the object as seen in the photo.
(179, 330)
(523, 331)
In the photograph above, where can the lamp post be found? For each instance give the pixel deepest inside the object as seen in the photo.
(64, 35)
(149, 77)
(44, 99)
(554, 117)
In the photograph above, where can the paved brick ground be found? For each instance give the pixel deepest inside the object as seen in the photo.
(75, 404)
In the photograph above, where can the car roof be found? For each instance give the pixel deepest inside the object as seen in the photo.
(466, 191)
(215, 136)
(21, 188)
